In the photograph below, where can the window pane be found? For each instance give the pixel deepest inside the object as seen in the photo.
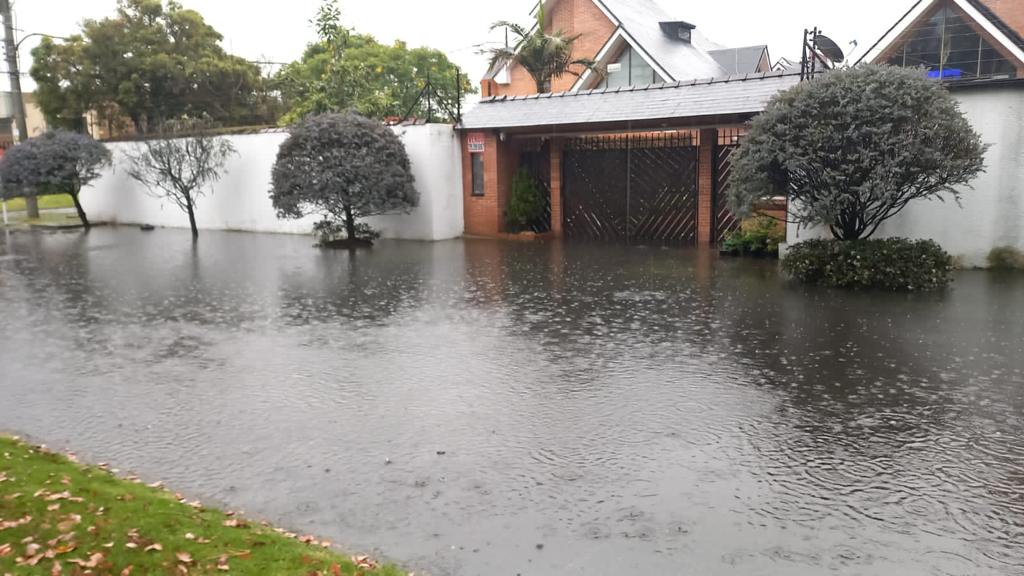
(950, 48)
(618, 71)
(478, 174)
(641, 73)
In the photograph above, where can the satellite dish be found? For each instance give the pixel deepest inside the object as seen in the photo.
(829, 48)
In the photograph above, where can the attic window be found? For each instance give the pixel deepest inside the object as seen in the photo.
(685, 34)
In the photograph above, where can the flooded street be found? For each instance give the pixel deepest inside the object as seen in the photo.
(489, 408)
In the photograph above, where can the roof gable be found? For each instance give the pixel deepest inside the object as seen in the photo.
(987, 21)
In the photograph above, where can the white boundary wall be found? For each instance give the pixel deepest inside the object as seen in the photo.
(992, 213)
(241, 201)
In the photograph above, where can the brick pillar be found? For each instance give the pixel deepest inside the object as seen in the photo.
(706, 188)
(556, 187)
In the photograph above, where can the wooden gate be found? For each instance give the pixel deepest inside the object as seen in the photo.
(637, 188)
(725, 221)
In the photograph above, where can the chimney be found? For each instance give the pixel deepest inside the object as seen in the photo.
(678, 30)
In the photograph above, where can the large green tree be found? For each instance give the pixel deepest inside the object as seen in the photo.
(345, 70)
(150, 62)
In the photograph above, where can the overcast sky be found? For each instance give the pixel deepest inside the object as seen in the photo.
(261, 29)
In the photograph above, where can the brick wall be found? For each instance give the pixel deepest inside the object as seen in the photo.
(484, 214)
(706, 187)
(1010, 11)
(571, 17)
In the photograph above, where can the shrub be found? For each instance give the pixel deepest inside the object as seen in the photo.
(760, 236)
(1006, 258)
(852, 148)
(526, 204)
(894, 264)
(328, 231)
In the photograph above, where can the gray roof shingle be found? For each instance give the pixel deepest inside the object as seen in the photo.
(746, 94)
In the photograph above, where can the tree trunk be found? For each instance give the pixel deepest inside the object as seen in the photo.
(81, 212)
(191, 216)
(32, 207)
(350, 223)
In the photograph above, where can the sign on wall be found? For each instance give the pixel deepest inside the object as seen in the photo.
(475, 141)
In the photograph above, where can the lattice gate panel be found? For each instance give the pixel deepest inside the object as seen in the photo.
(636, 188)
(725, 221)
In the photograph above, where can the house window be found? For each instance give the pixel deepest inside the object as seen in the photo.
(630, 69)
(477, 162)
(950, 48)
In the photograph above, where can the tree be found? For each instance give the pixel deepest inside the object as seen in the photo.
(345, 70)
(181, 164)
(545, 56)
(150, 63)
(344, 166)
(851, 149)
(56, 162)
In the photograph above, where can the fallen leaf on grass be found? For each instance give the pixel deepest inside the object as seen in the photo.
(92, 562)
(183, 557)
(235, 523)
(131, 545)
(32, 549)
(127, 571)
(57, 570)
(53, 507)
(4, 525)
(190, 536)
(157, 547)
(5, 550)
(335, 570)
(364, 562)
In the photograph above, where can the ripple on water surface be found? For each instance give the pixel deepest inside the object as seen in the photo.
(456, 405)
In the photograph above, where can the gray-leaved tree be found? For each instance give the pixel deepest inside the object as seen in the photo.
(852, 148)
(56, 162)
(181, 163)
(345, 167)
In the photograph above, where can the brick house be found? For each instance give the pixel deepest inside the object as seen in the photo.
(657, 124)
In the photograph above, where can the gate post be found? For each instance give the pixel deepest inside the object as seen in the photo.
(706, 187)
(556, 187)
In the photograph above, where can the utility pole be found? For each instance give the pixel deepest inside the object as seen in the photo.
(17, 100)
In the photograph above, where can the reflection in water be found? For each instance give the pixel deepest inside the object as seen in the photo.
(634, 410)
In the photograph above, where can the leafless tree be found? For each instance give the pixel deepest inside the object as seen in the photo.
(181, 163)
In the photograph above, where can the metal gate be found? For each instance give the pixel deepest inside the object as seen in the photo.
(725, 221)
(637, 188)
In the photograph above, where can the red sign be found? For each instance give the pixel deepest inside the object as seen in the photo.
(476, 142)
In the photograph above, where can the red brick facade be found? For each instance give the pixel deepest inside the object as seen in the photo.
(1009, 11)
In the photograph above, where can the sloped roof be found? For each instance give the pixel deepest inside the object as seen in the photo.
(641, 20)
(735, 95)
(739, 60)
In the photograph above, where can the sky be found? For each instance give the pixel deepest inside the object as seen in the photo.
(279, 31)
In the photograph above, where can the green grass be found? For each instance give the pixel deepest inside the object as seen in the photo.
(45, 203)
(88, 521)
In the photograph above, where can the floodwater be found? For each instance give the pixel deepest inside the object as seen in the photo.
(479, 407)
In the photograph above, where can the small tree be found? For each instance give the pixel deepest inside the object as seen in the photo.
(54, 162)
(182, 164)
(544, 56)
(853, 148)
(345, 167)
